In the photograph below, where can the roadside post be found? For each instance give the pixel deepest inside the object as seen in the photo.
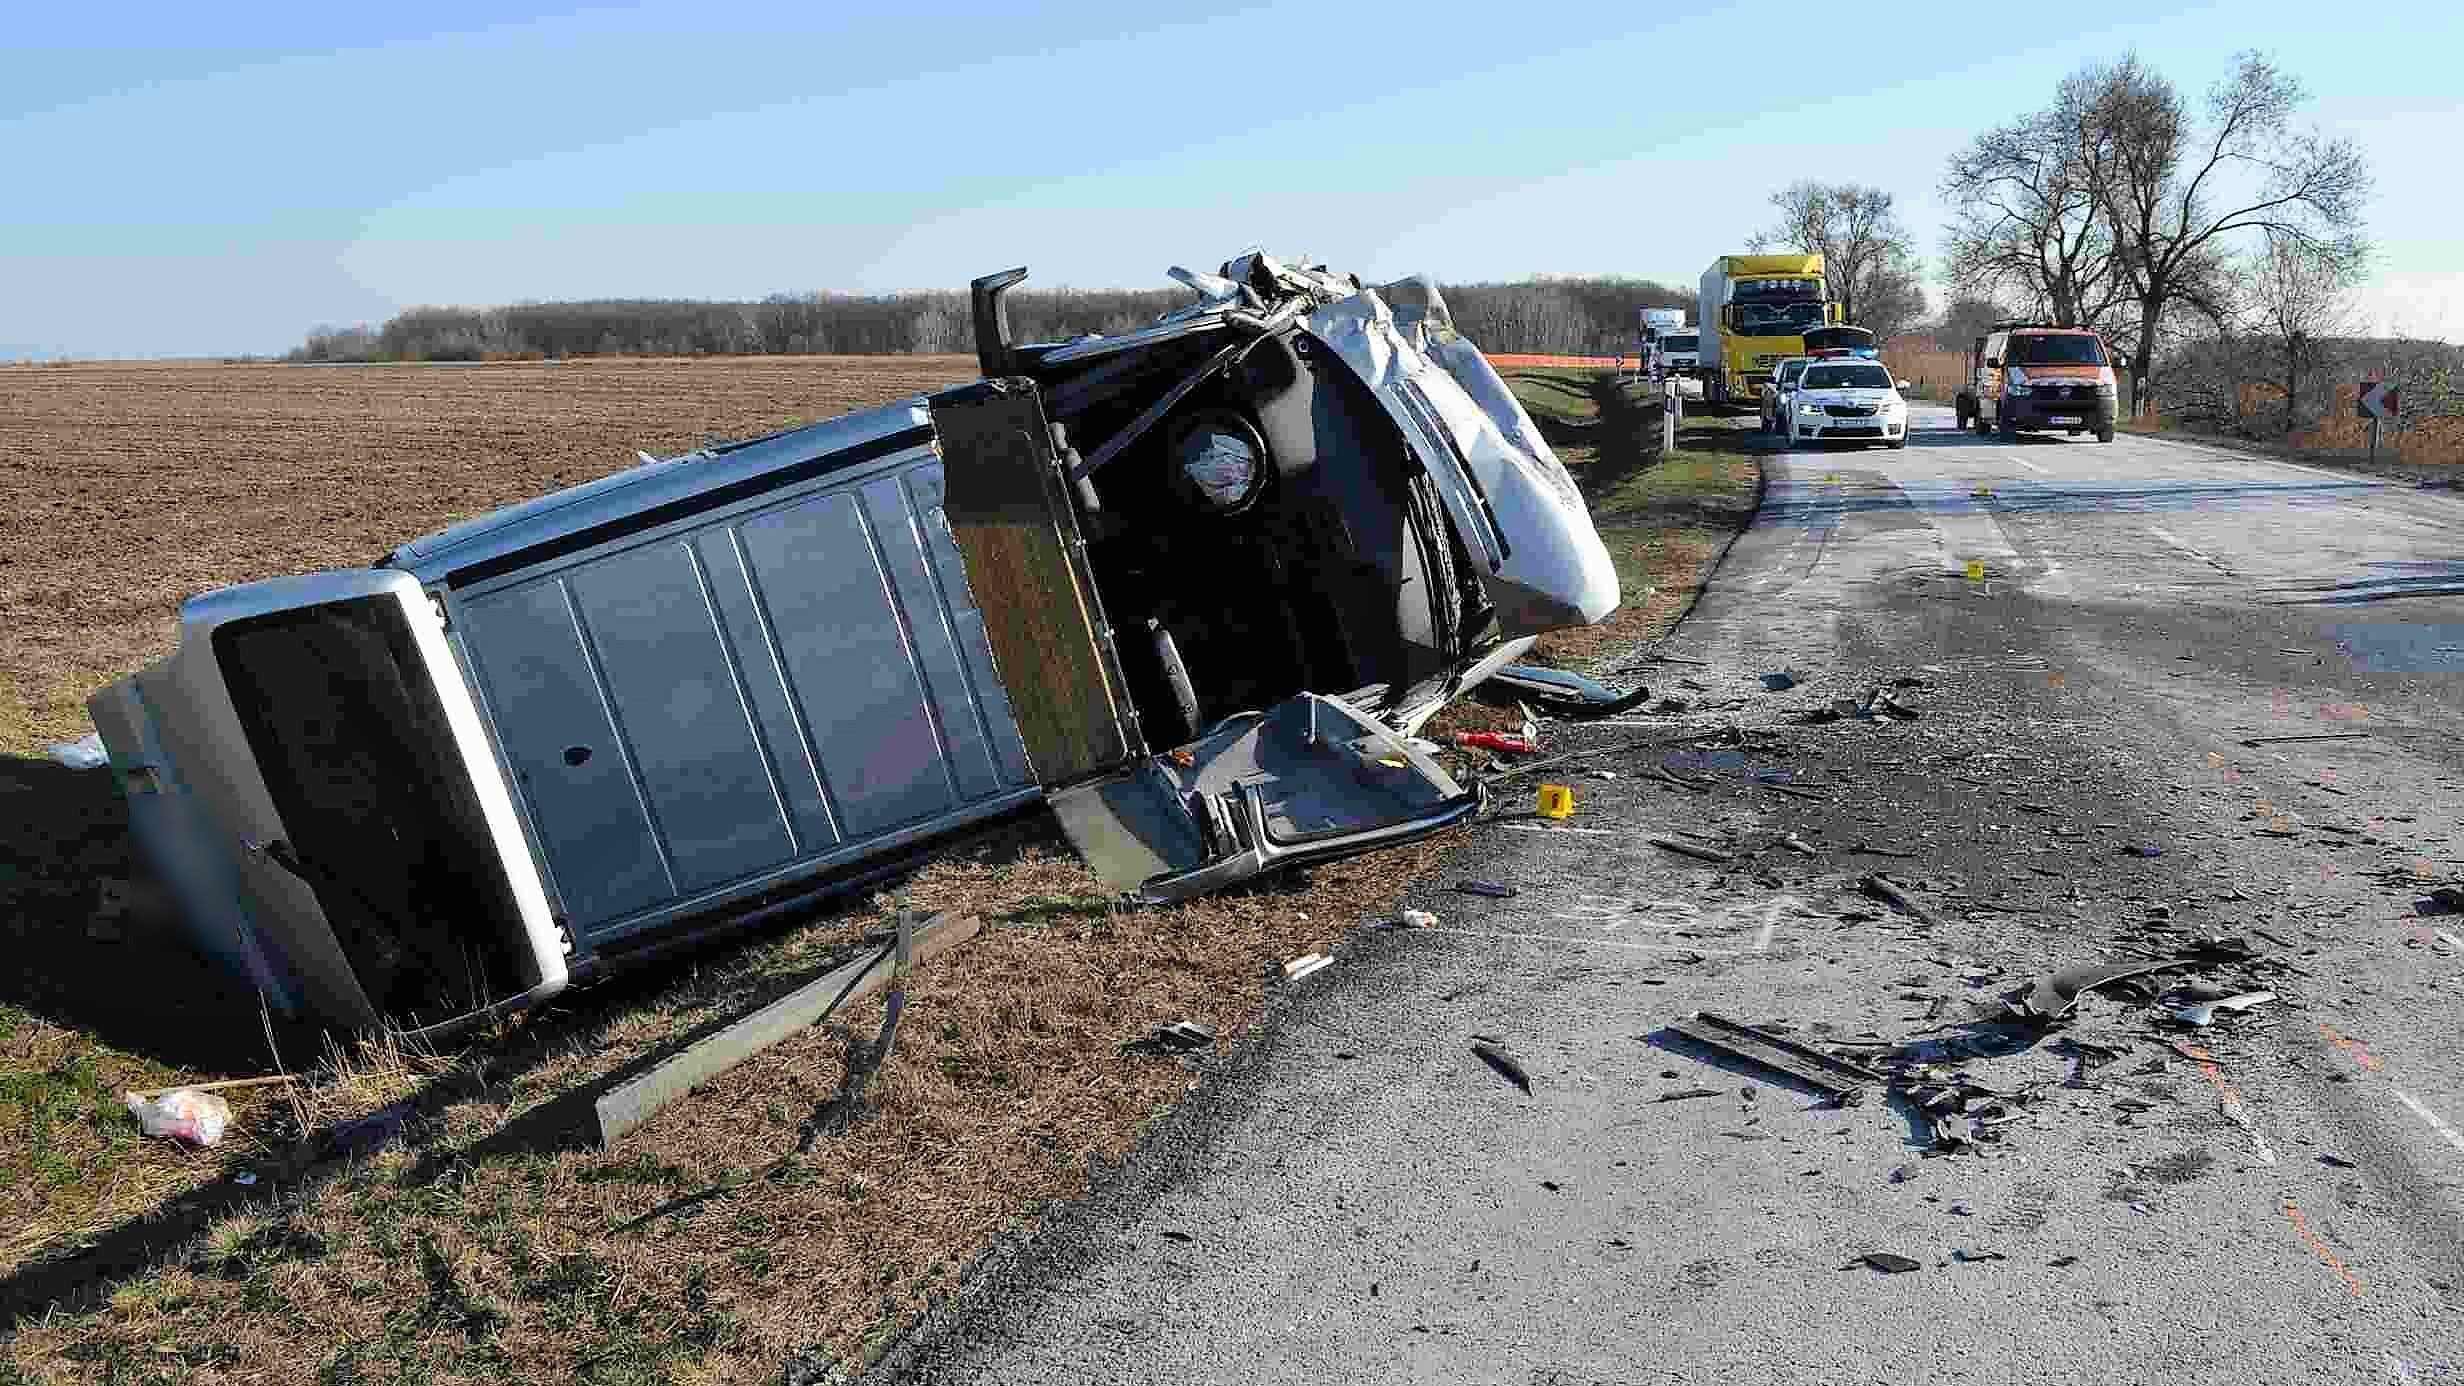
(1672, 410)
(2377, 401)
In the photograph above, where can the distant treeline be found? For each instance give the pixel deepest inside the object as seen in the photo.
(1538, 315)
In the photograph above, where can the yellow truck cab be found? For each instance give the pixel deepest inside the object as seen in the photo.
(2035, 376)
(1755, 312)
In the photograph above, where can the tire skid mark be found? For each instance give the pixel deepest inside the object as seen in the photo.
(2292, 1214)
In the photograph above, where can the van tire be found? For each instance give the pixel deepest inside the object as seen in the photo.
(2104, 434)
(2009, 430)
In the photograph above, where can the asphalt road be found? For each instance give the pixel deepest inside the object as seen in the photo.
(1358, 1198)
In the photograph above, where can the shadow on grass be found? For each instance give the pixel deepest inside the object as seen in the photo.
(132, 981)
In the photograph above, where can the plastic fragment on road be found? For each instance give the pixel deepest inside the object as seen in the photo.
(182, 1114)
(1508, 742)
(1688, 849)
(1780, 682)
(1568, 692)
(2140, 850)
(1506, 1065)
(1887, 1262)
(1556, 801)
(2203, 1014)
(1890, 892)
(84, 753)
(1183, 1035)
(1494, 890)
(1306, 965)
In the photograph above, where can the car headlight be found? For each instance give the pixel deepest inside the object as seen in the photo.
(2015, 376)
(1809, 409)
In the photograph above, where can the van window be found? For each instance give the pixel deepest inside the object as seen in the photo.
(1687, 342)
(2057, 349)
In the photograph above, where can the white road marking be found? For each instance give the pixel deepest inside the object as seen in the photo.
(2040, 471)
(2437, 1123)
(1547, 828)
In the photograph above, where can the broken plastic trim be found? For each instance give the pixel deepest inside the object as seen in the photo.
(1260, 851)
(1568, 692)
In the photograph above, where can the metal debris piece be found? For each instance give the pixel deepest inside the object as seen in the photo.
(1797, 845)
(1684, 1093)
(2203, 1014)
(1507, 1066)
(1780, 682)
(1662, 772)
(2141, 850)
(1888, 891)
(2056, 992)
(2314, 736)
(1494, 890)
(1887, 1262)
(1867, 849)
(1688, 849)
(1834, 1078)
(1967, 1256)
(2337, 1162)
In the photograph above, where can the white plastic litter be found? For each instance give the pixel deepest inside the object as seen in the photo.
(184, 1114)
(1419, 919)
(84, 753)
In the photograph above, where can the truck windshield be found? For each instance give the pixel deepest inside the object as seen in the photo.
(2067, 349)
(1776, 319)
(1688, 342)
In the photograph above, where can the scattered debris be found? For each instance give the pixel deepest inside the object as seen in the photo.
(2054, 993)
(1683, 1093)
(246, 1178)
(190, 1115)
(1688, 849)
(2139, 850)
(1566, 692)
(2337, 1162)
(1494, 890)
(1797, 845)
(1662, 772)
(2059, 1262)
(1182, 1036)
(1961, 1210)
(1408, 919)
(1887, 1262)
(1867, 849)
(1886, 890)
(2314, 736)
(1305, 965)
(1904, 1174)
(1966, 1256)
(1780, 682)
(2203, 1014)
(1507, 1066)
(1837, 1079)
(1507, 742)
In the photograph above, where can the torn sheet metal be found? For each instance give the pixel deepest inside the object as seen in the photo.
(2056, 992)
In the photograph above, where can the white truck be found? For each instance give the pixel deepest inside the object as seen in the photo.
(1669, 341)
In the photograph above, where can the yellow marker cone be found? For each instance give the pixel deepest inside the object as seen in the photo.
(1556, 801)
(1976, 570)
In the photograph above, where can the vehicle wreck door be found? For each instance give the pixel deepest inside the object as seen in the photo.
(1003, 497)
(1310, 779)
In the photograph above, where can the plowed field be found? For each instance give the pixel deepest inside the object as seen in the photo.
(126, 488)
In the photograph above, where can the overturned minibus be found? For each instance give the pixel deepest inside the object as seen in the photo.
(1192, 586)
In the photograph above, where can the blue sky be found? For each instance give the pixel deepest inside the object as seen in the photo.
(188, 179)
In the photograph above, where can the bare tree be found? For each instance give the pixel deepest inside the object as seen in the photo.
(2174, 190)
(2297, 297)
(1865, 250)
(2026, 215)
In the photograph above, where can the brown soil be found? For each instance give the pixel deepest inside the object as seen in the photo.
(126, 488)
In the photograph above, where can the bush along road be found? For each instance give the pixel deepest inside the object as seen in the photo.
(2090, 801)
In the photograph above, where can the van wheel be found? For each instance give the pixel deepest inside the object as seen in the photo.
(1983, 429)
(2009, 430)
(2105, 434)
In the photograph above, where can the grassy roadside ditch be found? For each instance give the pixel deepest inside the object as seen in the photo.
(488, 1242)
